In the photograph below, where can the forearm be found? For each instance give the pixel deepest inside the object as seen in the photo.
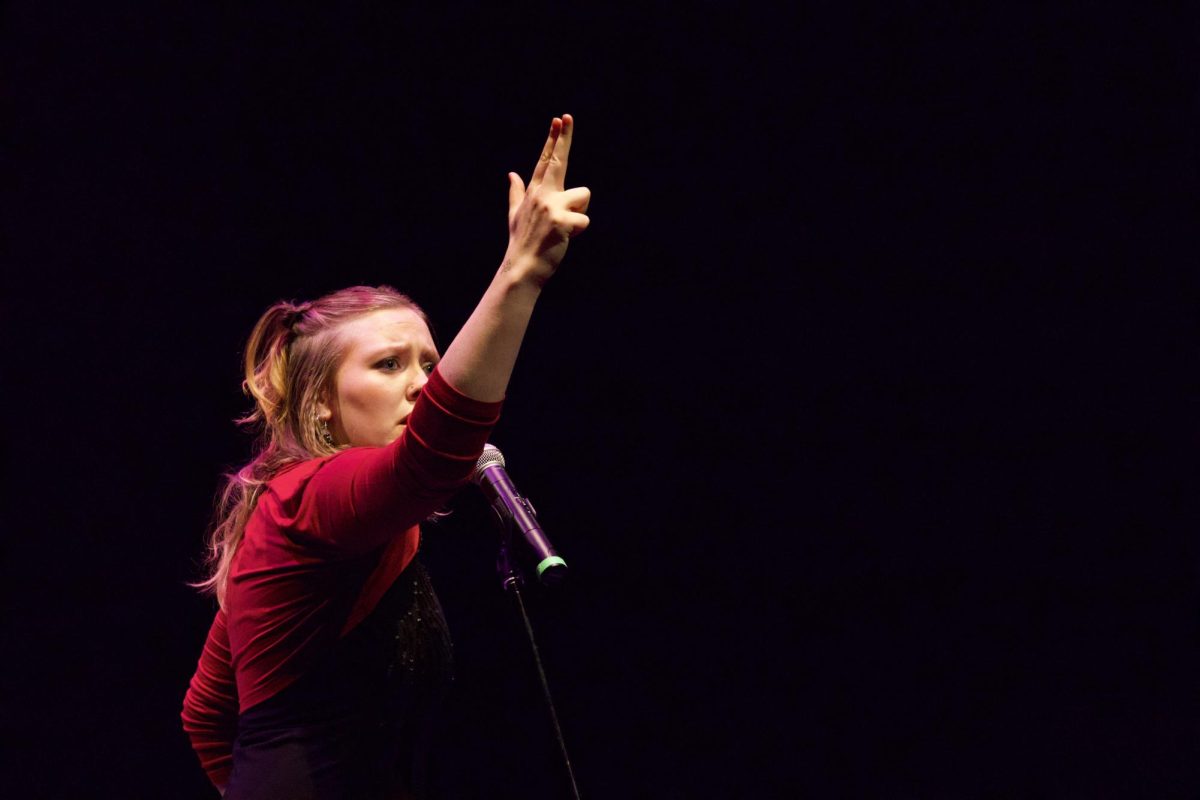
(541, 220)
(479, 362)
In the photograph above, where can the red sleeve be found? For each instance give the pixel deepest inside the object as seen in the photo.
(360, 498)
(210, 707)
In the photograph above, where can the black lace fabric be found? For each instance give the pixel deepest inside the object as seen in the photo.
(422, 652)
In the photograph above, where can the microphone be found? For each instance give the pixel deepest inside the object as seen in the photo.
(493, 479)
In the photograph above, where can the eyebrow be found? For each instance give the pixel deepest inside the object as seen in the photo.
(385, 350)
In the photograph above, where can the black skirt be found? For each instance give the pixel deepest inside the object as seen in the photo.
(358, 726)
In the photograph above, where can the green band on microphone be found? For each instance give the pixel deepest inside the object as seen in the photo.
(549, 562)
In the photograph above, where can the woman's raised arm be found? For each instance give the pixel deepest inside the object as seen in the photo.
(542, 219)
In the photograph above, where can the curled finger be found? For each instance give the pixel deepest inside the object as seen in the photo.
(577, 199)
(574, 223)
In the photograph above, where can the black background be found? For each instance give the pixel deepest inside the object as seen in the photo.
(848, 411)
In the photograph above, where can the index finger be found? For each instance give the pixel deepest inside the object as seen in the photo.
(556, 171)
(547, 155)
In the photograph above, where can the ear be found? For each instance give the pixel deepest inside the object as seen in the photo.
(324, 412)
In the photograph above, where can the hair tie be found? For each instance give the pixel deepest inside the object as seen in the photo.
(293, 314)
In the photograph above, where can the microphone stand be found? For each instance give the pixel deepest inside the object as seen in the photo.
(511, 578)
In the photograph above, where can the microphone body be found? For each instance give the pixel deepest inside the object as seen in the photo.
(492, 478)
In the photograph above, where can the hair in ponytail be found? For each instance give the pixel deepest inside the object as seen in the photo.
(291, 361)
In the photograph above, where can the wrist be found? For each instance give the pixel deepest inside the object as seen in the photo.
(524, 271)
(516, 285)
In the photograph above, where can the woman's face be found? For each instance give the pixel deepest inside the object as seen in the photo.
(388, 357)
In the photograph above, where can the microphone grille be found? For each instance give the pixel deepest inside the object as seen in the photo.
(490, 456)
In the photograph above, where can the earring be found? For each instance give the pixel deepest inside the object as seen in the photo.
(325, 434)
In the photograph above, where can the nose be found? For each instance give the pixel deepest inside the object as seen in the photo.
(417, 384)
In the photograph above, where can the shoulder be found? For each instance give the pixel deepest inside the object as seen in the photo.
(295, 474)
(292, 480)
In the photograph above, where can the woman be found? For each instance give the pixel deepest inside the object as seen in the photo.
(325, 659)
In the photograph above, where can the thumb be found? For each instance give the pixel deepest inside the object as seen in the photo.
(516, 192)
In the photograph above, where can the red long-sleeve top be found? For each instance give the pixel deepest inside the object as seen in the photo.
(325, 541)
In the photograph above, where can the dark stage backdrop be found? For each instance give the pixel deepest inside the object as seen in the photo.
(838, 411)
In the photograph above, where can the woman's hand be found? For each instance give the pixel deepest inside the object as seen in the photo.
(543, 216)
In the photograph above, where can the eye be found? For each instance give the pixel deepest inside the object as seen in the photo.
(428, 367)
(390, 363)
